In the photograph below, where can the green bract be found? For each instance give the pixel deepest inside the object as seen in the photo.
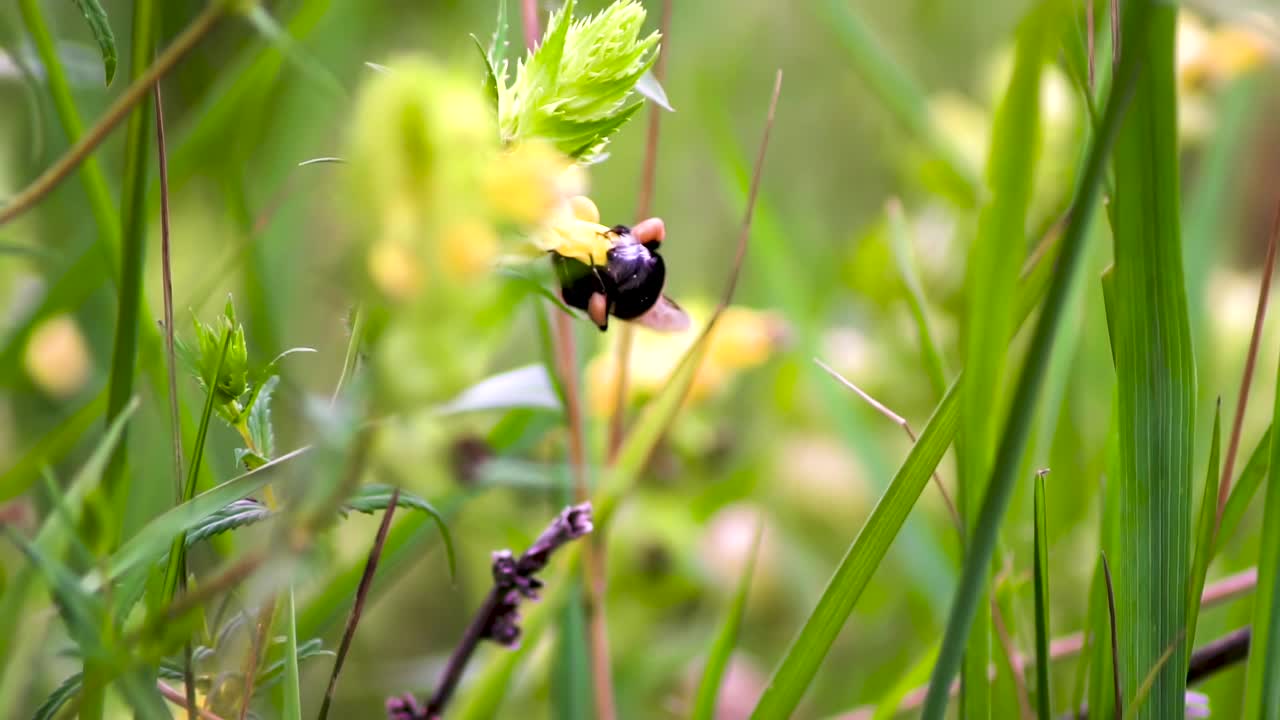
(573, 90)
(233, 379)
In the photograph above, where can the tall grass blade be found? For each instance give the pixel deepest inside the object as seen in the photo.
(1040, 577)
(1206, 531)
(903, 257)
(1246, 486)
(1155, 371)
(704, 704)
(1022, 409)
(991, 278)
(1262, 675)
(1117, 685)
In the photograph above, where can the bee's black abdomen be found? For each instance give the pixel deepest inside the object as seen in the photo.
(637, 276)
(577, 282)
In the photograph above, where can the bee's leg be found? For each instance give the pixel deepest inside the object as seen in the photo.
(598, 311)
(650, 233)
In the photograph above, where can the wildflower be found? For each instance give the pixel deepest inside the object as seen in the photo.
(1212, 55)
(57, 358)
(526, 183)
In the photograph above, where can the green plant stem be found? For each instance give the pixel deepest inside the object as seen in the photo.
(95, 183)
(137, 91)
(1013, 441)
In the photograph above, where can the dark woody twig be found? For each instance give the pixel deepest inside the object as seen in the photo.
(498, 619)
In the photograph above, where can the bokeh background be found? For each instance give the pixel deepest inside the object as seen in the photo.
(774, 439)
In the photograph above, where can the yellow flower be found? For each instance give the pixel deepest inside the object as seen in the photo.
(1212, 55)
(743, 338)
(574, 231)
(57, 357)
(528, 183)
(468, 248)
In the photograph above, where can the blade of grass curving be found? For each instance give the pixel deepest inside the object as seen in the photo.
(1040, 577)
(796, 670)
(1116, 685)
(897, 92)
(990, 281)
(1246, 486)
(1205, 531)
(1262, 674)
(362, 594)
(704, 704)
(1264, 294)
(903, 256)
(1155, 373)
(1027, 389)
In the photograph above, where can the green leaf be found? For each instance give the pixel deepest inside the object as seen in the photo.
(238, 514)
(152, 541)
(990, 281)
(1017, 429)
(1262, 675)
(704, 704)
(1040, 576)
(903, 256)
(1255, 470)
(571, 678)
(1206, 530)
(292, 683)
(66, 690)
(101, 29)
(1155, 371)
(490, 78)
(259, 422)
(374, 496)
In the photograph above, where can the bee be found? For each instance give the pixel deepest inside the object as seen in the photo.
(628, 285)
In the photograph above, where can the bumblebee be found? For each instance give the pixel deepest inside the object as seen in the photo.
(628, 285)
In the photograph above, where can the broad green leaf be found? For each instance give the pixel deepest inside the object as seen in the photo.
(1040, 578)
(1155, 372)
(1013, 439)
(100, 26)
(1206, 531)
(704, 704)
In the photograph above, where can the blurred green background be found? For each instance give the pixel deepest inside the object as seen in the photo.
(781, 440)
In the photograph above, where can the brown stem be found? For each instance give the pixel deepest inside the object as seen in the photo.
(362, 592)
(1264, 294)
(135, 93)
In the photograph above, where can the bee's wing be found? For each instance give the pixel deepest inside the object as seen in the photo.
(665, 316)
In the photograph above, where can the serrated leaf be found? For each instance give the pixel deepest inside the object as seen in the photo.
(497, 52)
(490, 78)
(259, 422)
(376, 496)
(100, 26)
(650, 88)
(66, 690)
(524, 387)
(236, 515)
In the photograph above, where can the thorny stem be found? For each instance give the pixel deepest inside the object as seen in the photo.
(1264, 294)
(135, 93)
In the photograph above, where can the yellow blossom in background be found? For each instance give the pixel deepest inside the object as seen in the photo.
(743, 338)
(57, 356)
(1212, 55)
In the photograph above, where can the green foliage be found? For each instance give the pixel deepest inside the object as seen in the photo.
(1040, 578)
(573, 89)
(100, 26)
(704, 705)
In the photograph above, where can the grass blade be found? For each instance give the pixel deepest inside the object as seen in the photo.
(1023, 406)
(991, 279)
(1040, 576)
(704, 705)
(292, 683)
(1155, 372)
(1246, 486)
(1262, 676)
(903, 256)
(1206, 530)
(1116, 685)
